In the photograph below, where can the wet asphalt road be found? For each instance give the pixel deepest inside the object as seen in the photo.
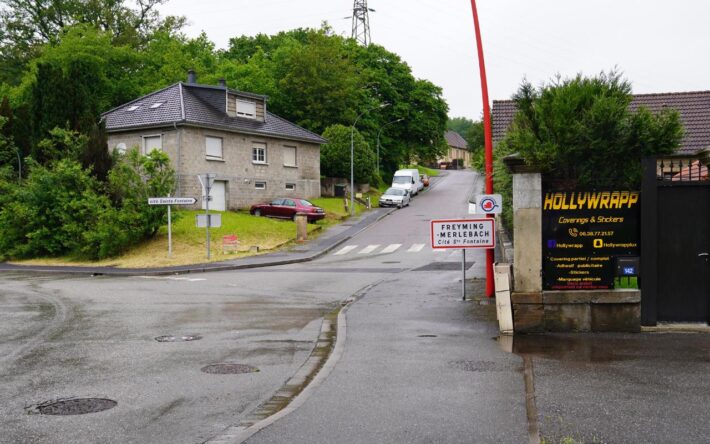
(419, 365)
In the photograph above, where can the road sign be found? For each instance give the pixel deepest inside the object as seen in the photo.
(489, 203)
(171, 200)
(463, 233)
(215, 220)
(206, 181)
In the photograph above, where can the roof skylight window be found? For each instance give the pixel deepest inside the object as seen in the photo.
(133, 108)
(156, 105)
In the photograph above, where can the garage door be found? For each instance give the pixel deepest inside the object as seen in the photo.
(218, 194)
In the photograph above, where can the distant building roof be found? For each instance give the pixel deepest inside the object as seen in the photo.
(455, 140)
(693, 107)
(199, 105)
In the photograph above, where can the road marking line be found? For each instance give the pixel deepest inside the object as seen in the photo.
(390, 248)
(415, 248)
(345, 250)
(368, 249)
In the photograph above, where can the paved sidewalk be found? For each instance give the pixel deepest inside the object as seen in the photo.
(308, 251)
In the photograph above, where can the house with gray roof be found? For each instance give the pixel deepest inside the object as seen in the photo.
(255, 155)
(458, 150)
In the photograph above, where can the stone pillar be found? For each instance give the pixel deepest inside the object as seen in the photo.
(301, 227)
(527, 226)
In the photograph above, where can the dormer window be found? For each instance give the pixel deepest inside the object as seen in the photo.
(246, 109)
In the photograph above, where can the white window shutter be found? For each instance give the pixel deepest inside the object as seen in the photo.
(214, 147)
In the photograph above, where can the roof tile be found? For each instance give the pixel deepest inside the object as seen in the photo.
(693, 107)
(203, 105)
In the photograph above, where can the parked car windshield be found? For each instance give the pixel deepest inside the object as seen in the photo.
(305, 203)
(402, 179)
(395, 192)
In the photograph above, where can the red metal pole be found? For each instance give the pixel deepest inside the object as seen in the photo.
(490, 289)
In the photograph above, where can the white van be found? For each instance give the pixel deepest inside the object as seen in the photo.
(408, 180)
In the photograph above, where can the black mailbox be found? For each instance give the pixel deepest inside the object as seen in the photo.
(628, 266)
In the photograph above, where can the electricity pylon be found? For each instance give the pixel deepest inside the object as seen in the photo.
(361, 22)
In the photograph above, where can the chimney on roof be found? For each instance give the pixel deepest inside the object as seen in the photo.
(222, 83)
(191, 76)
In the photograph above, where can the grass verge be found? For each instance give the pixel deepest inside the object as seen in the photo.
(189, 242)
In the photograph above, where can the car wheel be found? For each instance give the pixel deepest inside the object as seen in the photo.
(257, 213)
(399, 206)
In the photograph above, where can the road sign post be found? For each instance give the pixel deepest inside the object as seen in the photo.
(170, 201)
(463, 234)
(206, 181)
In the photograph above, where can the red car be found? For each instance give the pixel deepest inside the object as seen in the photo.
(286, 208)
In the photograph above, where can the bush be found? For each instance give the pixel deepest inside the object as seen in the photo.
(51, 212)
(61, 209)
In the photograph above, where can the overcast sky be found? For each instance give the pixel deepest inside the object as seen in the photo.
(659, 46)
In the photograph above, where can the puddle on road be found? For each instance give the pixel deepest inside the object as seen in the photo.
(599, 348)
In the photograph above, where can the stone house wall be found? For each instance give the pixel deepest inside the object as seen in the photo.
(186, 147)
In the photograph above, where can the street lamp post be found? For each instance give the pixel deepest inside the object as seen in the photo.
(352, 157)
(378, 141)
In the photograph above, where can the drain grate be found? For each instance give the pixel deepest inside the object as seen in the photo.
(73, 406)
(444, 266)
(391, 262)
(185, 338)
(427, 336)
(229, 369)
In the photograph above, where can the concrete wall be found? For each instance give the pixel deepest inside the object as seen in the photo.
(527, 232)
(236, 166)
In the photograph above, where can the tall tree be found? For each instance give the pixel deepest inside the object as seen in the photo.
(581, 130)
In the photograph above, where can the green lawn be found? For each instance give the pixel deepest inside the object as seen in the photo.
(431, 172)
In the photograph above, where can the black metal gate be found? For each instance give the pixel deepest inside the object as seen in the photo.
(675, 242)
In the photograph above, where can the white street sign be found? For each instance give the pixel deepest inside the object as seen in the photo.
(463, 233)
(171, 200)
(489, 203)
(215, 220)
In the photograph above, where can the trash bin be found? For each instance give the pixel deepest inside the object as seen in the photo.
(340, 190)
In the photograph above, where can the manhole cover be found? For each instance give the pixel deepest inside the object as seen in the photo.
(185, 338)
(228, 369)
(478, 366)
(444, 266)
(73, 406)
(427, 336)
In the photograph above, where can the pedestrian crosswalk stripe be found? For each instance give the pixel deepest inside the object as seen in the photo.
(390, 248)
(368, 249)
(415, 248)
(345, 250)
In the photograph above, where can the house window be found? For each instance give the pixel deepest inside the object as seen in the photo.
(258, 153)
(121, 148)
(259, 185)
(246, 109)
(290, 156)
(213, 148)
(151, 143)
(290, 187)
